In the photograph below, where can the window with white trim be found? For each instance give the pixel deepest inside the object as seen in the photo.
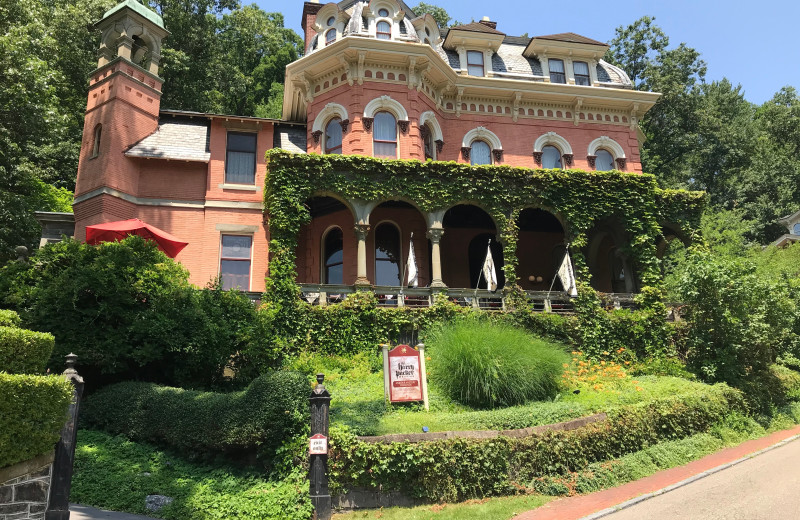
(604, 161)
(333, 136)
(330, 36)
(383, 30)
(581, 70)
(551, 157)
(240, 158)
(475, 63)
(235, 261)
(384, 136)
(480, 153)
(556, 71)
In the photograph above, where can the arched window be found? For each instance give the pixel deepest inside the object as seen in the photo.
(480, 153)
(551, 157)
(604, 161)
(384, 136)
(330, 36)
(331, 20)
(333, 136)
(383, 31)
(387, 255)
(333, 254)
(796, 229)
(98, 130)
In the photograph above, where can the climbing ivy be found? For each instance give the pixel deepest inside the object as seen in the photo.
(582, 199)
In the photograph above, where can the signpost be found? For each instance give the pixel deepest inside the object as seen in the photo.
(404, 376)
(319, 402)
(318, 445)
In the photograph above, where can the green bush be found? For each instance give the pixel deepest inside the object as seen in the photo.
(9, 318)
(33, 410)
(488, 365)
(24, 351)
(201, 491)
(255, 420)
(458, 469)
(128, 311)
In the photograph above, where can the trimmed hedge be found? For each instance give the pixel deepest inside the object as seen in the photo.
(24, 351)
(9, 318)
(459, 469)
(33, 410)
(256, 420)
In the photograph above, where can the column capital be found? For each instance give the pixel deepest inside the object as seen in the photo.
(435, 234)
(361, 230)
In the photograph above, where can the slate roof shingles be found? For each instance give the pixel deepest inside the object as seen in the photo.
(182, 140)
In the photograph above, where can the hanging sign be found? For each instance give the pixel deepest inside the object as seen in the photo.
(404, 374)
(318, 445)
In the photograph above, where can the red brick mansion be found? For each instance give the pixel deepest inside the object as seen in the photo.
(375, 80)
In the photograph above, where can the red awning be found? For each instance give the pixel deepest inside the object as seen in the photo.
(116, 231)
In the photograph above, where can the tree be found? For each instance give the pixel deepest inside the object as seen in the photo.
(438, 13)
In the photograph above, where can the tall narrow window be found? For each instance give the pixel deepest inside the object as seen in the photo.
(551, 157)
(581, 70)
(384, 143)
(234, 264)
(240, 160)
(604, 161)
(383, 31)
(98, 130)
(557, 71)
(333, 255)
(333, 136)
(427, 140)
(480, 153)
(475, 63)
(387, 255)
(330, 36)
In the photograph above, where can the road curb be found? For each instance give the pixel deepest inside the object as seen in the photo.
(694, 478)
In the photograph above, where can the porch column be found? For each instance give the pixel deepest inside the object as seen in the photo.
(435, 235)
(362, 230)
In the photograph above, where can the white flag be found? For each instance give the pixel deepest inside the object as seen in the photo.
(567, 277)
(489, 274)
(411, 265)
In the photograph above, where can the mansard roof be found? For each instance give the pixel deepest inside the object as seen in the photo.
(477, 27)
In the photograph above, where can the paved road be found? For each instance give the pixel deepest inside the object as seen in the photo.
(765, 487)
(90, 513)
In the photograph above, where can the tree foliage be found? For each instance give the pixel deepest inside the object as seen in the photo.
(439, 14)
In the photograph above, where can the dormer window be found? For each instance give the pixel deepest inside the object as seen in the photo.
(581, 69)
(383, 31)
(475, 63)
(383, 12)
(330, 36)
(331, 21)
(557, 71)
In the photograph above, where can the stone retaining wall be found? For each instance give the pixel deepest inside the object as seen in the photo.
(24, 489)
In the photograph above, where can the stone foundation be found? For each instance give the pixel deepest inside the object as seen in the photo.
(24, 489)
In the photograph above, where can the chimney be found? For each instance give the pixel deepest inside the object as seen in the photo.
(488, 23)
(310, 10)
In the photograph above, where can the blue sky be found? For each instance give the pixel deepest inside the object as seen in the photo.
(754, 44)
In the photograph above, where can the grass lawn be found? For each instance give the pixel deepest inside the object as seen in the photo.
(356, 386)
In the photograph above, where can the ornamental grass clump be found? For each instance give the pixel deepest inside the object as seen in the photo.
(488, 365)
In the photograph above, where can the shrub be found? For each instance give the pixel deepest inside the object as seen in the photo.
(458, 469)
(487, 365)
(255, 420)
(33, 410)
(24, 351)
(9, 318)
(128, 311)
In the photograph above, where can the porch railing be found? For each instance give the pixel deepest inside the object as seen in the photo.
(417, 297)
